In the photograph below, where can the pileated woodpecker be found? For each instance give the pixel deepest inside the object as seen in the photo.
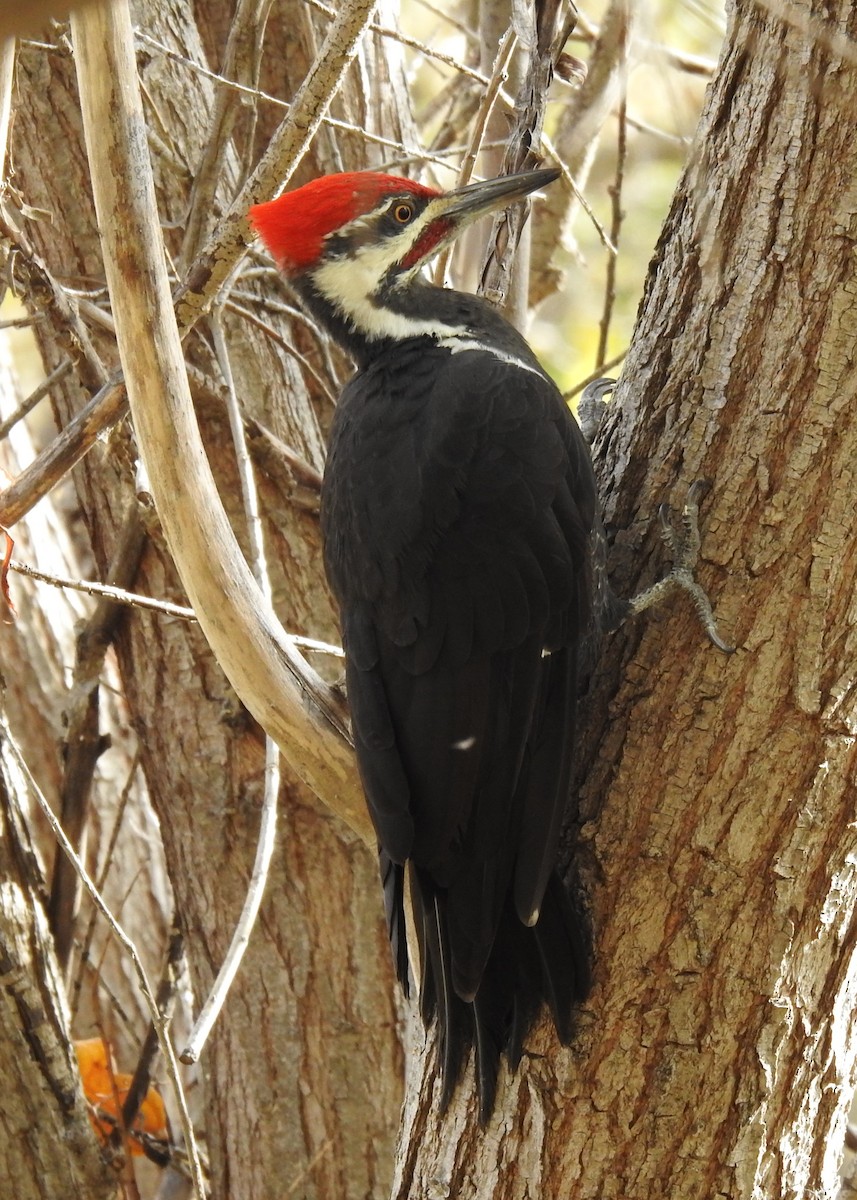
(459, 525)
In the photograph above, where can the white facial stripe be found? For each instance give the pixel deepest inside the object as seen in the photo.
(349, 284)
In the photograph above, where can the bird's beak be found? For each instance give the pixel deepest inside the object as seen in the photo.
(468, 203)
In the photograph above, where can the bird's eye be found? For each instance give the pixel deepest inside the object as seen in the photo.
(402, 212)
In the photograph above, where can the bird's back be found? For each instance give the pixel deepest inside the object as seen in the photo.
(458, 511)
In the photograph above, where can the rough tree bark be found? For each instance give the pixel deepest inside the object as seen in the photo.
(714, 834)
(716, 1055)
(288, 1103)
(55, 1156)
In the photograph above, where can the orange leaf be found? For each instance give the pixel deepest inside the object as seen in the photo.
(106, 1089)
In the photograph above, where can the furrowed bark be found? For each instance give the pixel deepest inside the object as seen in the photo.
(716, 1054)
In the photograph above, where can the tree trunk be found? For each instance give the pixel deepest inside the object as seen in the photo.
(716, 1054)
(46, 1143)
(714, 833)
(302, 1075)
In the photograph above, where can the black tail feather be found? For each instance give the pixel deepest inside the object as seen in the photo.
(393, 881)
(488, 1051)
(563, 956)
(437, 997)
(528, 967)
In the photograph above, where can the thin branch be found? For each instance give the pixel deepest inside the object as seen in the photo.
(118, 595)
(418, 154)
(208, 174)
(496, 278)
(323, 1150)
(249, 492)
(571, 183)
(253, 319)
(106, 407)
(499, 75)
(615, 229)
(7, 80)
(166, 997)
(39, 393)
(428, 52)
(84, 744)
(250, 911)
(268, 824)
(22, 322)
(280, 689)
(584, 383)
(576, 136)
(470, 34)
(134, 600)
(46, 292)
(107, 863)
(234, 234)
(274, 455)
(130, 949)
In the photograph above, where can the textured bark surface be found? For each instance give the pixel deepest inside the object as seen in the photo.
(715, 835)
(716, 1054)
(46, 1144)
(303, 1072)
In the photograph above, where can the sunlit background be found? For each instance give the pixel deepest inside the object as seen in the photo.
(673, 53)
(676, 45)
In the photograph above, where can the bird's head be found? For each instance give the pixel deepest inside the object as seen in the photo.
(359, 236)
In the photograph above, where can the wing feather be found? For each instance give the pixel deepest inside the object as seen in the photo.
(457, 535)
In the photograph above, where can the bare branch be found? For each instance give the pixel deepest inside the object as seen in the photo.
(268, 825)
(7, 80)
(285, 695)
(237, 64)
(117, 595)
(165, 998)
(84, 744)
(134, 600)
(105, 408)
(584, 383)
(107, 863)
(254, 93)
(130, 949)
(223, 251)
(483, 115)
(576, 138)
(39, 393)
(615, 229)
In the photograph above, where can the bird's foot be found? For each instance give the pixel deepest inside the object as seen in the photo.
(592, 406)
(683, 544)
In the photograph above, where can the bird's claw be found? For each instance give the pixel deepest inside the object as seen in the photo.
(592, 406)
(683, 544)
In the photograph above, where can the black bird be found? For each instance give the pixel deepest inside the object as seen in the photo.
(460, 540)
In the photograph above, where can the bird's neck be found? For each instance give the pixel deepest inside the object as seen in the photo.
(377, 325)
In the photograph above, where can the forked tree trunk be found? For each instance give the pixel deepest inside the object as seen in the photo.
(302, 1075)
(716, 1054)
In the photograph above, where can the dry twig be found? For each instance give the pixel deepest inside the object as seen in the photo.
(268, 826)
(287, 697)
(159, 1024)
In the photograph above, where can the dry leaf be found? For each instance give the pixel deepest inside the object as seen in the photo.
(106, 1089)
